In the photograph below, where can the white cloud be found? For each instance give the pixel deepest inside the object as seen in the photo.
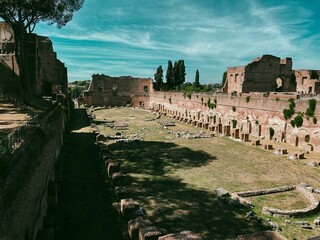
(209, 36)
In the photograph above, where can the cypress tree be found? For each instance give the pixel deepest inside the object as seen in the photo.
(169, 76)
(158, 77)
(196, 80)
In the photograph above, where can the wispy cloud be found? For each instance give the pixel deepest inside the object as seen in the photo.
(123, 38)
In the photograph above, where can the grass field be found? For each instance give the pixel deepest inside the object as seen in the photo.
(174, 178)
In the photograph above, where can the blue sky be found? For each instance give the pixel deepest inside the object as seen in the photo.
(134, 37)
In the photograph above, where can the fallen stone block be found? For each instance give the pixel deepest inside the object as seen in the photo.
(255, 142)
(268, 146)
(118, 179)
(151, 233)
(184, 235)
(316, 222)
(128, 207)
(135, 225)
(281, 151)
(302, 224)
(296, 156)
(100, 138)
(221, 192)
(113, 167)
(313, 164)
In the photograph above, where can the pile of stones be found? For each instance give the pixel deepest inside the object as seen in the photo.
(189, 135)
(137, 224)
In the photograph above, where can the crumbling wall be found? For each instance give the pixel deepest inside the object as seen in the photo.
(308, 81)
(32, 184)
(264, 74)
(118, 91)
(45, 73)
(249, 114)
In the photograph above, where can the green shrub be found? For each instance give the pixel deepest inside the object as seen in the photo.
(248, 99)
(292, 104)
(298, 121)
(311, 108)
(214, 119)
(315, 120)
(293, 123)
(189, 95)
(277, 99)
(288, 113)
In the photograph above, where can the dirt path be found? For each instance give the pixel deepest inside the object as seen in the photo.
(84, 209)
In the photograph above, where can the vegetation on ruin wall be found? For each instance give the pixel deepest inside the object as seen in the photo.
(289, 112)
(312, 107)
(298, 120)
(76, 88)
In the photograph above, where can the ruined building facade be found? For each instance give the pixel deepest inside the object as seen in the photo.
(118, 91)
(307, 81)
(45, 73)
(264, 74)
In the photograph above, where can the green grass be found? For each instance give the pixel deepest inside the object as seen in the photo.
(174, 178)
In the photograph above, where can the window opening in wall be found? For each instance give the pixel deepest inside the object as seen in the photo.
(141, 103)
(236, 78)
(303, 80)
(145, 89)
(310, 90)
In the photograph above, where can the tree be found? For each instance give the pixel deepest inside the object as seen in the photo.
(175, 74)
(196, 80)
(158, 77)
(169, 75)
(182, 73)
(23, 15)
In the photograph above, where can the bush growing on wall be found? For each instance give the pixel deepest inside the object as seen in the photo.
(248, 99)
(311, 108)
(315, 120)
(298, 121)
(288, 113)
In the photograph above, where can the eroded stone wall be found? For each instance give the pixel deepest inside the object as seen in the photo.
(32, 184)
(45, 73)
(118, 91)
(246, 114)
(264, 74)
